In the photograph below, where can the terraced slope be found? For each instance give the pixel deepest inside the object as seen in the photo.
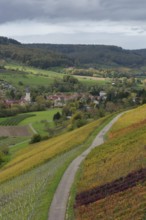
(112, 181)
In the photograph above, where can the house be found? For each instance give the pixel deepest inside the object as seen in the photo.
(103, 95)
(59, 100)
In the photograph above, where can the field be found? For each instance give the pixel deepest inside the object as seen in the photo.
(109, 186)
(40, 119)
(36, 119)
(38, 77)
(36, 154)
(39, 116)
(28, 79)
(15, 131)
(9, 141)
(29, 194)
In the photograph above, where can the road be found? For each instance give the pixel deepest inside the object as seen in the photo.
(58, 206)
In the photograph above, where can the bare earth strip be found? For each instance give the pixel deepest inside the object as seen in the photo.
(14, 131)
(58, 207)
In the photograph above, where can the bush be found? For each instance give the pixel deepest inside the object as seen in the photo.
(2, 157)
(56, 116)
(35, 138)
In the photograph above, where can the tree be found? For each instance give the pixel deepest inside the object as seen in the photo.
(56, 116)
(35, 138)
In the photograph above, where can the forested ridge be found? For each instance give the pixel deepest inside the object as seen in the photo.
(54, 55)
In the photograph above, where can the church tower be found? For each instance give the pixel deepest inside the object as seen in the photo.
(27, 97)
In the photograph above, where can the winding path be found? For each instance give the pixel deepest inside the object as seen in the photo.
(32, 128)
(58, 207)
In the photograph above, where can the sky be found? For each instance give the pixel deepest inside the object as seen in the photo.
(109, 22)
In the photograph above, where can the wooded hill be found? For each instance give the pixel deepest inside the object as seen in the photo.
(54, 55)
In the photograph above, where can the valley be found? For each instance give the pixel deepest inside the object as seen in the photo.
(73, 120)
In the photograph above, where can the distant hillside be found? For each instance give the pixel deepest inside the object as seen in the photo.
(11, 50)
(94, 55)
(54, 55)
(141, 52)
(5, 40)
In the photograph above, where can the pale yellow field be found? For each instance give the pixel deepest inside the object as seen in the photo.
(130, 118)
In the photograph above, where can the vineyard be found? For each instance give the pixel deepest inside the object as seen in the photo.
(105, 172)
(39, 153)
(108, 189)
(29, 194)
(15, 120)
(21, 197)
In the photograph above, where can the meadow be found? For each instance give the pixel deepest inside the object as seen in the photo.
(23, 79)
(38, 77)
(36, 119)
(122, 154)
(39, 120)
(29, 194)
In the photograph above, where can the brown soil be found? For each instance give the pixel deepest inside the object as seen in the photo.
(108, 189)
(14, 131)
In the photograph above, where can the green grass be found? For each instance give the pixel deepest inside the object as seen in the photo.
(39, 77)
(22, 144)
(9, 141)
(32, 70)
(39, 116)
(14, 144)
(37, 121)
(35, 118)
(28, 79)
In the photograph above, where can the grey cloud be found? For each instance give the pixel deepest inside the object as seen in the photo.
(72, 10)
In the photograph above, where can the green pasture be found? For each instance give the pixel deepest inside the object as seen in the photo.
(9, 141)
(38, 120)
(32, 70)
(39, 116)
(93, 82)
(27, 79)
(39, 77)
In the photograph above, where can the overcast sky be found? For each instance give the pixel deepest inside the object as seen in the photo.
(110, 22)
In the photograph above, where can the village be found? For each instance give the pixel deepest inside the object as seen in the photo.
(55, 100)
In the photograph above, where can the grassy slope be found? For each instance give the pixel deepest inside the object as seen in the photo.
(37, 121)
(123, 153)
(28, 79)
(39, 116)
(45, 77)
(30, 194)
(39, 153)
(29, 76)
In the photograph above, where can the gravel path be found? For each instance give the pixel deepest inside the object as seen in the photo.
(58, 207)
(32, 128)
